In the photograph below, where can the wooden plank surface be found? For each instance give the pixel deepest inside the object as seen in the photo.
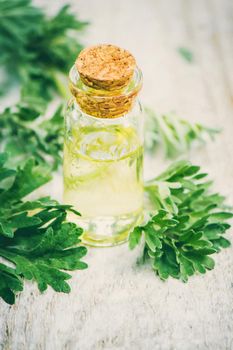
(114, 304)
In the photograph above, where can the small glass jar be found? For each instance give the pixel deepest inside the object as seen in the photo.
(103, 160)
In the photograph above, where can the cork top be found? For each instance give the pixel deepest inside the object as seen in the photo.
(106, 67)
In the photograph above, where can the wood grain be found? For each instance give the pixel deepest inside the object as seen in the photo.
(114, 304)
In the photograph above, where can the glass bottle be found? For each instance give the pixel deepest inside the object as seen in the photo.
(103, 157)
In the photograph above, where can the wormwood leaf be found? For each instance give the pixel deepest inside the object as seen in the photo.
(180, 238)
(10, 283)
(186, 54)
(27, 179)
(26, 136)
(173, 134)
(135, 237)
(43, 47)
(34, 235)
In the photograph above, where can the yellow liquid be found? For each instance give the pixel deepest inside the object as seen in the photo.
(103, 181)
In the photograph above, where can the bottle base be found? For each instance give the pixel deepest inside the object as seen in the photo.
(107, 231)
(89, 240)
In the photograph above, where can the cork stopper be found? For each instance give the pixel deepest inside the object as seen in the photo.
(105, 67)
(105, 81)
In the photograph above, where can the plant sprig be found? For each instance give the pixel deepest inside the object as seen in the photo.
(186, 54)
(174, 135)
(37, 49)
(26, 133)
(186, 225)
(34, 235)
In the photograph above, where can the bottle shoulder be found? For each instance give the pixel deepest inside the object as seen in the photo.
(73, 108)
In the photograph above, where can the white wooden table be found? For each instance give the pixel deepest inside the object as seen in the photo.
(114, 304)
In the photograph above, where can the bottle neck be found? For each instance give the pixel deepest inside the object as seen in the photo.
(105, 103)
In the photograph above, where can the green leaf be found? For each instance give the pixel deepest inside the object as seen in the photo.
(26, 138)
(173, 134)
(27, 179)
(134, 237)
(43, 47)
(180, 238)
(10, 283)
(221, 216)
(23, 220)
(152, 239)
(34, 235)
(186, 54)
